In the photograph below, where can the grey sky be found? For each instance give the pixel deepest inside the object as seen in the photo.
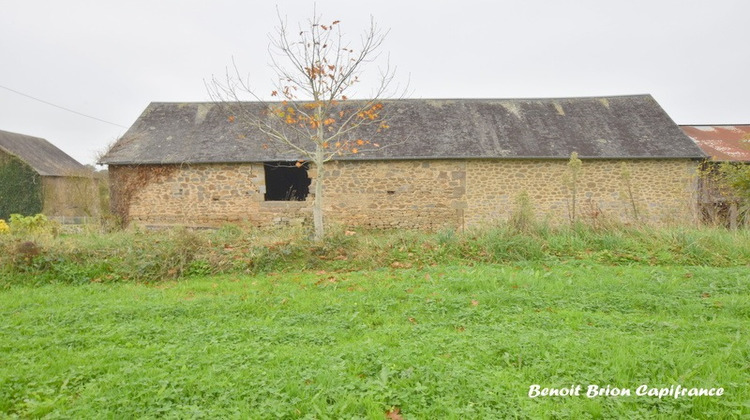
(109, 59)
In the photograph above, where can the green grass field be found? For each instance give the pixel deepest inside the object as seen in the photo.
(436, 341)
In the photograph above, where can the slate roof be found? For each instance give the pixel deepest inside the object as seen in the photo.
(724, 143)
(41, 155)
(599, 127)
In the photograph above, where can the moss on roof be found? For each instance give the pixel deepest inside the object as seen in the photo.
(600, 127)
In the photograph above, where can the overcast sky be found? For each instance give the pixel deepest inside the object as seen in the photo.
(109, 59)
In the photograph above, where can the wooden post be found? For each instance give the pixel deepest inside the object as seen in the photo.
(733, 215)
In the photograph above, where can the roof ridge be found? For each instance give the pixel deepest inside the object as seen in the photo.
(593, 97)
(20, 134)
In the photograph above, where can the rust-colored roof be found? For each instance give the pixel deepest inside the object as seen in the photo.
(722, 142)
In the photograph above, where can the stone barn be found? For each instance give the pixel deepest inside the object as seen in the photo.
(447, 163)
(37, 177)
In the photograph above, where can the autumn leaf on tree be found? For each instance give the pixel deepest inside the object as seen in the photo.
(318, 70)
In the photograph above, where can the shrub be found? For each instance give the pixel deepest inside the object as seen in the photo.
(38, 224)
(522, 218)
(26, 252)
(4, 228)
(735, 180)
(156, 256)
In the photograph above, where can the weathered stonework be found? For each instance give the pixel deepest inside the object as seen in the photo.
(662, 191)
(422, 194)
(204, 195)
(396, 194)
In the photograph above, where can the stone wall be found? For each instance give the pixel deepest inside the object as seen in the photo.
(418, 194)
(198, 195)
(646, 190)
(70, 196)
(391, 194)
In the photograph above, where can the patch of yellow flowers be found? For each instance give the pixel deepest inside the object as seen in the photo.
(4, 228)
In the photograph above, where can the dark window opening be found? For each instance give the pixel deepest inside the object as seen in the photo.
(286, 181)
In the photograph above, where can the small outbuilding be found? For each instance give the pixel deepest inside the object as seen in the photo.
(723, 144)
(37, 177)
(443, 163)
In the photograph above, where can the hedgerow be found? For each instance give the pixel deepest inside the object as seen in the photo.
(152, 256)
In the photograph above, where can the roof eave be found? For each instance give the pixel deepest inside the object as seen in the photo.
(363, 159)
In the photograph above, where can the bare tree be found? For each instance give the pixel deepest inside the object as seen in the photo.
(317, 69)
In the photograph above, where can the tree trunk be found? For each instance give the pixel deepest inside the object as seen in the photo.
(318, 199)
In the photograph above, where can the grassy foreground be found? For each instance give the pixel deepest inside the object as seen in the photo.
(440, 341)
